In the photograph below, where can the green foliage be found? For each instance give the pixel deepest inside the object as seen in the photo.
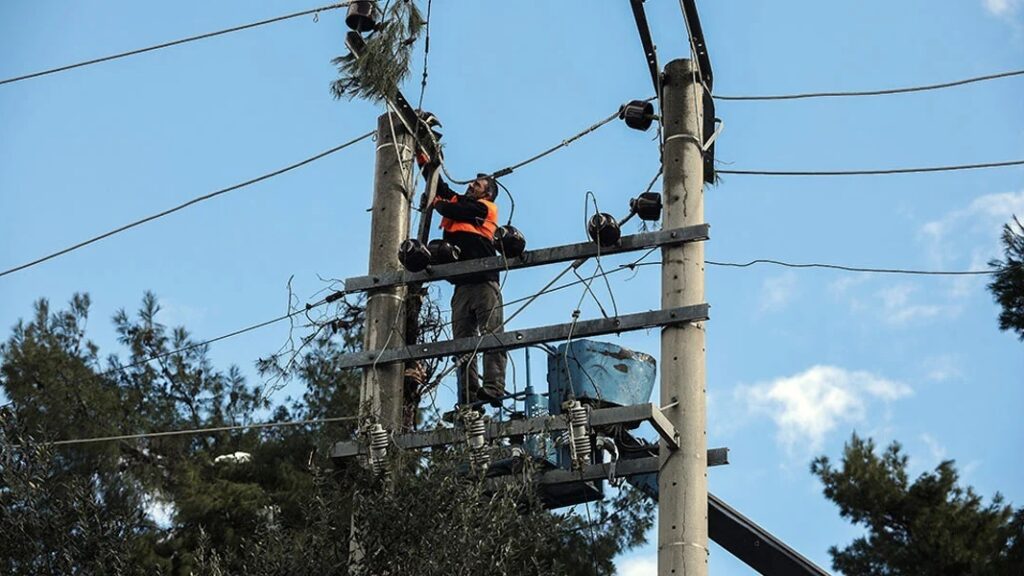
(931, 526)
(53, 523)
(1008, 285)
(86, 508)
(377, 74)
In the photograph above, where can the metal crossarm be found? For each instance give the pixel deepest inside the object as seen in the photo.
(622, 469)
(544, 424)
(537, 257)
(528, 337)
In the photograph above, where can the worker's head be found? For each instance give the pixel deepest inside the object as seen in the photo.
(483, 188)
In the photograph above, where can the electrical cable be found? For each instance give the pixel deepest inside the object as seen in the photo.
(240, 331)
(509, 169)
(192, 431)
(567, 141)
(196, 200)
(548, 289)
(597, 258)
(950, 168)
(877, 92)
(854, 268)
(426, 52)
(174, 43)
(511, 201)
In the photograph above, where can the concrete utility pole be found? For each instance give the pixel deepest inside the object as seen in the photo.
(381, 393)
(380, 397)
(683, 480)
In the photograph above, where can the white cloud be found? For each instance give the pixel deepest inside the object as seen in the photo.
(777, 292)
(985, 215)
(943, 368)
(899, 310)
(638, 566)
(919, 463)
(175, 314)
(807, 406)
(1002, 7)
(937, 450)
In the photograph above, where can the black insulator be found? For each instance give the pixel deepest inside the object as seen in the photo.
(509, 241)
(362, 16)
(647, 206)
(443, 252)
(429, 120)
(638, 114)
(604, 229)
(414, 255)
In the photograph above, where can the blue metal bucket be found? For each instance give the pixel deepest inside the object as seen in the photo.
(601, 373)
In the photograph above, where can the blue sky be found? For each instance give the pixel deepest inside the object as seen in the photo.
(797, 359)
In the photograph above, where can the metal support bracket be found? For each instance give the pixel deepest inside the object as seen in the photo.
(523, 338)
(530, 258)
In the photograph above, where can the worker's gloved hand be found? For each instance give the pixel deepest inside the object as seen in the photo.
(422, 159)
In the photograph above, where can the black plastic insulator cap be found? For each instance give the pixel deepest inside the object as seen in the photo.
(414, 255)
(638, 114)
(647, 206)
(509, 241)
(443, 252)
(362, 16)
(604, 229)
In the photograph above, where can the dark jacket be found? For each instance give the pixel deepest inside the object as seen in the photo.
(471, 245)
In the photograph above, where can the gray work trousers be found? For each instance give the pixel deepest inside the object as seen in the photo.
(476, 310)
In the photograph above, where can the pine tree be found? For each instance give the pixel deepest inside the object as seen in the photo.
(1008, 285)
(931, 526)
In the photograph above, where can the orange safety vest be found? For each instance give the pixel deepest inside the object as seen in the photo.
(486, 228)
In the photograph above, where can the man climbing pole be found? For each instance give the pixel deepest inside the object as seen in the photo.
(469, 221)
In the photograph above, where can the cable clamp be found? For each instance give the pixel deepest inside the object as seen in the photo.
(719, 126)
(687, 137)
(385, 295)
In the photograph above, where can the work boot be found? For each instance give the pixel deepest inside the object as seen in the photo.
(491, 394)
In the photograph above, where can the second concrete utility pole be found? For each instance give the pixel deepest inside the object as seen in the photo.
(683, 479)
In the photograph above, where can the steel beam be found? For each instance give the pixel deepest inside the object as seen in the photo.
(754, 545)
(530, 258)
(598, 418)
(650, 52)
(699, 45)
(528, 337)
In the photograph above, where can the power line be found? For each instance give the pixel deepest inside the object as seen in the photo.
(876, 92)
(196, 200)
(854, 268)
(879, 172)
(548, 289)
(331, 298)
(567, 141)
(193, 431)
(173, 43)
(508, 170)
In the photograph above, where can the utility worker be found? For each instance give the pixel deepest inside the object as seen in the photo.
(469, 221)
